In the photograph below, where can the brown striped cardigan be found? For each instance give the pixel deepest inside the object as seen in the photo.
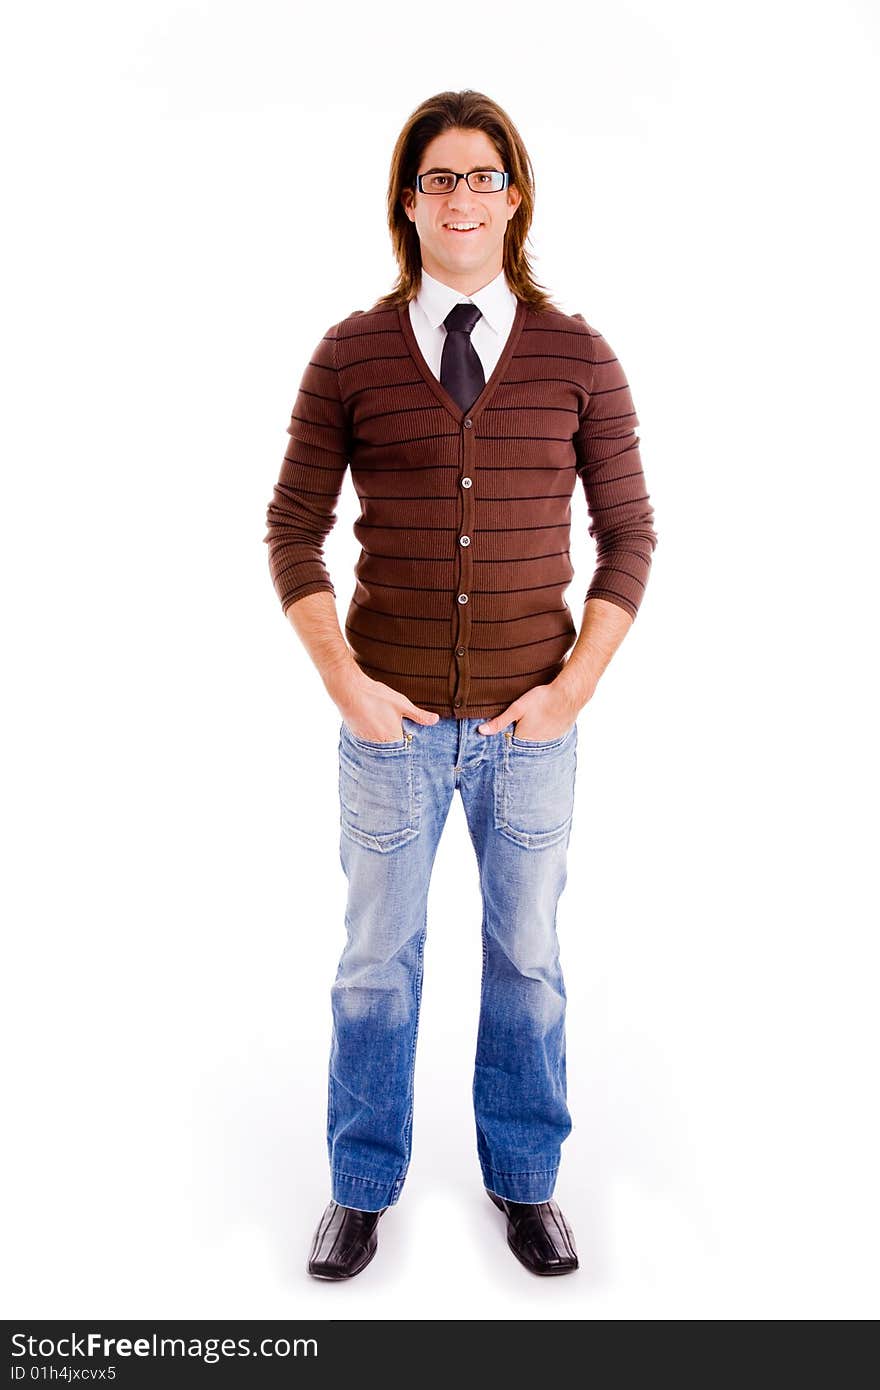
(465, 516)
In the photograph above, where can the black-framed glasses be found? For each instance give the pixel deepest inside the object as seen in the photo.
(478, 181)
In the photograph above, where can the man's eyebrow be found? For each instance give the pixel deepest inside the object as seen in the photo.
(444, 169)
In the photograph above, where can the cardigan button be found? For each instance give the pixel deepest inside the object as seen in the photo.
(464, 540)
(461, 651)
(462, 598)
(467, 424)
(467, 482)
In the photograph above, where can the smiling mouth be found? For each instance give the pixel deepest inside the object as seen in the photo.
(457, 231)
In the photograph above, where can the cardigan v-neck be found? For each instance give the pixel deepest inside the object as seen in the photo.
(430, 307)
(464, 525)
(433, 381)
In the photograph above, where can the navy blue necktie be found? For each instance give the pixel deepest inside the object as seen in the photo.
(461, 371)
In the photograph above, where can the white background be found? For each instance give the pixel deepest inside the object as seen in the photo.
(195, 193)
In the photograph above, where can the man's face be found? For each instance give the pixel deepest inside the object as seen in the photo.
(464, 260)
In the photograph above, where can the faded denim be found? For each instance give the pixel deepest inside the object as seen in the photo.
(394, 797)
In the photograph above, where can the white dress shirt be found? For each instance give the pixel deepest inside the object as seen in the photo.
(496, 302)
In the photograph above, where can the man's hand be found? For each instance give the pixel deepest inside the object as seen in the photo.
(550, 710)
(373, 710)
(544, 712)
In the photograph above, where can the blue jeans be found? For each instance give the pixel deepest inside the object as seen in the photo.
(394, 797)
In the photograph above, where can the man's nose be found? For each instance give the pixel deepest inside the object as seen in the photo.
(460, 200)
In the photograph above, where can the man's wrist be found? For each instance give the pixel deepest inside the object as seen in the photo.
(341, 676)
(576, 683)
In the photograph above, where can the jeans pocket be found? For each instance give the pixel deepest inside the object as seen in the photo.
(379, 803)
(541, 742)
(534, 790)
(374, 742)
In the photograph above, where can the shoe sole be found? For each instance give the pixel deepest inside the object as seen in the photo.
(541, 1273)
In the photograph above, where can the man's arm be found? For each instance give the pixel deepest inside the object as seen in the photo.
(301, 513)
(370, 708)
(610, 469)
(621, 522)
(315, 621)
(603, 628)
(299, 519)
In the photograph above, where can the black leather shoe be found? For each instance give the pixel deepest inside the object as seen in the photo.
(539, 1235)
(344, 1242)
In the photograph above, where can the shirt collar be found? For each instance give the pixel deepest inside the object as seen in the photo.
(493, 301)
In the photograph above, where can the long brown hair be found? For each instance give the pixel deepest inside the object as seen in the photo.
(466, 110)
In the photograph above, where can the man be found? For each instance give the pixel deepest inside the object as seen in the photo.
(467, 405)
